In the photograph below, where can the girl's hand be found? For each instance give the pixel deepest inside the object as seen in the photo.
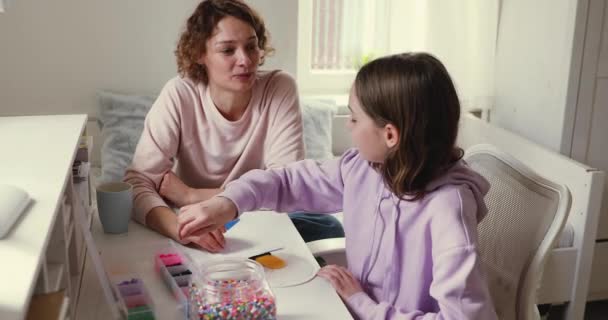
(341, 279)
(203, 217)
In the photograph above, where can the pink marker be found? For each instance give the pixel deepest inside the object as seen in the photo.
(170, 259)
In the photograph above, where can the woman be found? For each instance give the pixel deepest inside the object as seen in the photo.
(218, 119)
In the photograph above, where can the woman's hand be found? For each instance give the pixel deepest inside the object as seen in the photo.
(204, 217)
(213, 241)
(341, 279)
(175, 190)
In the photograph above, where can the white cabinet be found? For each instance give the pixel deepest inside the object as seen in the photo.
(44, 254)
(62, 266)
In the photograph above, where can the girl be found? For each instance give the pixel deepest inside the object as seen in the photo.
(220, 118)
(411, 206)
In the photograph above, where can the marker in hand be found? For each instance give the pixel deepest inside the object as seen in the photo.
(231, 224)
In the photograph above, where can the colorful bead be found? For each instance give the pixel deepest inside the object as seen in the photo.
(243, 303)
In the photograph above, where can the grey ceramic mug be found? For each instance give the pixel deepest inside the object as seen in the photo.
(114, 203)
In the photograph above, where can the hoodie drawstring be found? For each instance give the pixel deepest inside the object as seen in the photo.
(390, 283)
(367, 264)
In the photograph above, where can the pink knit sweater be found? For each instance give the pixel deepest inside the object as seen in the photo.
(184, 131)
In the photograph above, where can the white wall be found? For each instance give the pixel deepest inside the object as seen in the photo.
(462, 34)
(533, 62)
(55, 54)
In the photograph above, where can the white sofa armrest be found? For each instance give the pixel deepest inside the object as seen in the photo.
(326, 246)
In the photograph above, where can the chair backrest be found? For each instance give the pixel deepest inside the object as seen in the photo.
(526, 215)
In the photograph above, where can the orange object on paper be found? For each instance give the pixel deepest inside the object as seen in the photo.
(271, 262)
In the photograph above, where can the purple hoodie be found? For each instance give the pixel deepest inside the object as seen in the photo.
(414, 259)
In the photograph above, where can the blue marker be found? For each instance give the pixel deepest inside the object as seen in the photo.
(231, 224)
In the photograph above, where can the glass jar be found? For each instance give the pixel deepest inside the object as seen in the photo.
(232, 289)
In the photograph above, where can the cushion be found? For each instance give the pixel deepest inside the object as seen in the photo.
(317, 117)
(121, 120)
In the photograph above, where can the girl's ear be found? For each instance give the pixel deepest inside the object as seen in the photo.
(391, 136)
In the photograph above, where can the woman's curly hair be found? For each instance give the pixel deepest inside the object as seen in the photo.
(200, 26)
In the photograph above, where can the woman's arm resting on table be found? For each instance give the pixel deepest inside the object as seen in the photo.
(204, 217)
(164, 221)
(175, 190)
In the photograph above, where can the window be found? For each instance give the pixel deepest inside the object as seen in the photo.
(335, 38)
(4, 4)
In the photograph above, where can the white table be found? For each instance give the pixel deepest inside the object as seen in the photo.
(37, 155)
(315, 299)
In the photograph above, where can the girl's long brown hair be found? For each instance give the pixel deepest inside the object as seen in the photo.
(413, 92)
(200, 27)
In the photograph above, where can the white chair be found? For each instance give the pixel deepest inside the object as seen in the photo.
(526, 215)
